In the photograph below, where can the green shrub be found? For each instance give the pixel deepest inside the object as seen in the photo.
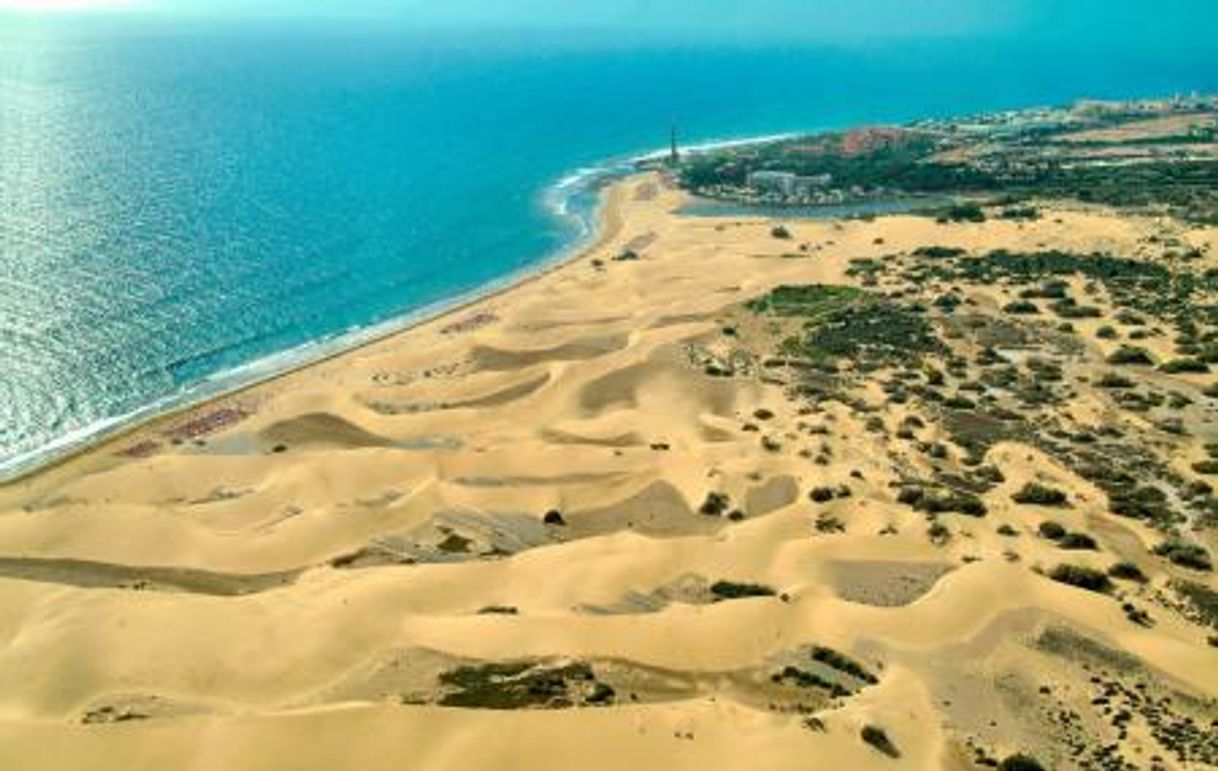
(1127, 571)
(1082, 577)
(1020, 762)
(1184, 554)
(938, 533)
(1051, 530)
(730, 590)
(715, 504)
(1035, 494)
(938, 252)
(1207, 467)
(1070, 309)
(1078, 542)
(821, 494)
(1128, 355)
(947, 501)
(963, 212)
(1021, 307)
(1176, 366)
(1114, 381)
(877, 738)
(843, 663)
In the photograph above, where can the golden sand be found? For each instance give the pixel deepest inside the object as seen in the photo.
(283, 590)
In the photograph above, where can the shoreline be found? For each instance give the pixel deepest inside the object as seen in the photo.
(605, 221)
(596, 179)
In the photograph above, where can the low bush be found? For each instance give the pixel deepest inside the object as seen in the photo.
(1130, 355)
(1021, 307)
(1082, 577)
(938, 252)
(715, 504)
(963, 212)
(877, 738)
(1020, 762)
(1114, 381)
(843, 663)
(730, 590)
(1035, 494)
(1186, 365)
(1078, 542)
(1184, 554)
(1051, 530)
(1127, 571)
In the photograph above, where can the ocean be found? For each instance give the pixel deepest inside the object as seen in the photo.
(187, 207)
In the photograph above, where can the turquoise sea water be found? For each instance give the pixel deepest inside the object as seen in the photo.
(184, 209)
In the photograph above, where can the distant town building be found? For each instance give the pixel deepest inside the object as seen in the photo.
(804, 185)
(781, 182)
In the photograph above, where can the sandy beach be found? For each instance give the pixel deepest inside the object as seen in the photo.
(582, 523)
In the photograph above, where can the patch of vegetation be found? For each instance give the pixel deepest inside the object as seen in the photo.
(1208, 467)
(1202, 600)
(1127, 571)
(843, 663)
(1068, 308)
(1066, 642)
(962, 212)
(827, 523)
(939, 252)
(810, 302)
(1146, 502)
(1185, 554)
(800, 678)
(1077, 542)
(1052, 531)
(715, 505)
(1035, 494)
(1021, 308)
(730, 590)
(524, 685)
(847, 323)
(877, 738)
(1082, 577)
(1020, 762)
(1114, 381)
(1131, 355)
(1186, 365)
(942, 501)
(498, 610)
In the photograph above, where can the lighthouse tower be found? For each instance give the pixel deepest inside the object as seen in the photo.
(674, 153)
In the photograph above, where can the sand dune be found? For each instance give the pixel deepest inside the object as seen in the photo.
(618, 516)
